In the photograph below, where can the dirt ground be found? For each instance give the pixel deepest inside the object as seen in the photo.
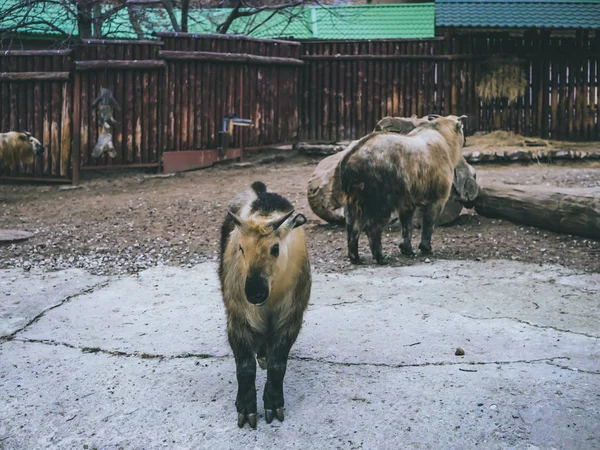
(123, 222)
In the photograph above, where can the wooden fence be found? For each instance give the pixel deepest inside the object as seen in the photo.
(213, 76)
(35, 95)
(175, 92)
(348, 86)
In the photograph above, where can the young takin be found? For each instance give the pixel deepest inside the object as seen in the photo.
(266, 281)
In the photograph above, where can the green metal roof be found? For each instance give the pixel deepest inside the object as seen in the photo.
(393, 21)
(572, 14)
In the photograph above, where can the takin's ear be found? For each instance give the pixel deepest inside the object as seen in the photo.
(462, 121)
(23, 137)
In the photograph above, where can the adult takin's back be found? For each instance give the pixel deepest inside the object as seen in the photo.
(266, 281)
(389, 171)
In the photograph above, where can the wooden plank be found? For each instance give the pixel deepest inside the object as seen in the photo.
(65, 132)
(228, 37)
(7, 53)
(76, 133)
(326, 135)
(146, 108)
(121, 42)
(38, 120)
(128, 110)
(55, 127)
(31, 75)
(117, 87)
(376, 100)
(183, 108)
(334, 120)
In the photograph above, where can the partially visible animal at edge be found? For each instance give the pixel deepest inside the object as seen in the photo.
(16, 146)
(266, 282)
(105, 143)
(387, 171)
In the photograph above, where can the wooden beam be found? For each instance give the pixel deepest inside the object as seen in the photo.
(121, 42)
(455, 57)
(121, 166)
(391, 57)
(135, 64)
(229, 58)
(24, 76)
(228, 37)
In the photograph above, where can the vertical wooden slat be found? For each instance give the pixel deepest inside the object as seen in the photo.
(65, 132)
(75, 149)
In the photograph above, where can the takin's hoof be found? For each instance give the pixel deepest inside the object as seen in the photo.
(355, 259)
(251, 418)
(425, 249)
(406, 250)
(269, 414)
(262, 362)
(381, 261)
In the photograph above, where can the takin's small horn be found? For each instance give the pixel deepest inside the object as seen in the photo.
(433, 116)
(236, 219)
(278, 222)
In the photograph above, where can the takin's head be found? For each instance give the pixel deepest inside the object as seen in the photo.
(267, 248)
(452, 130)
(29, 147)
(18, 146)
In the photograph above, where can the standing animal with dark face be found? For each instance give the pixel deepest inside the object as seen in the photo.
(265, 281)
(390, 171)
(18, 146)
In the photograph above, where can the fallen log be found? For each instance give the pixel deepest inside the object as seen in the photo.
(564, 210)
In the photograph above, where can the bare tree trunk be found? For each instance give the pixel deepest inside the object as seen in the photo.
(84, 19)
(135, 22)
(98, 20)
(169, 7)
(185, 8)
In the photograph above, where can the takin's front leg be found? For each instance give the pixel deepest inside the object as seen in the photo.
(276, 367)
(430, 214)
(245, 368)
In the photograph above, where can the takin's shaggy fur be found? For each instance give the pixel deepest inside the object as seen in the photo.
(402, 125)
(389, 171)
(18, 146)
(265, 280)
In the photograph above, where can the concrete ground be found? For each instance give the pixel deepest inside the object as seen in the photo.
(142, 362)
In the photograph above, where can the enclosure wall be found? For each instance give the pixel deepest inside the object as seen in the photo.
(347, 86)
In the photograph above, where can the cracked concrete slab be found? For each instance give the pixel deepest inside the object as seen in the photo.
(25, 295)
(143, 362)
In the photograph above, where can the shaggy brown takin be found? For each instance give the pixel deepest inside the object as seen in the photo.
(390, 171)
(18, 146)
(266, 282)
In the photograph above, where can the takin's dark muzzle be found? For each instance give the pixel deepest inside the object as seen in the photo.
(256, 289)
(39, 149)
